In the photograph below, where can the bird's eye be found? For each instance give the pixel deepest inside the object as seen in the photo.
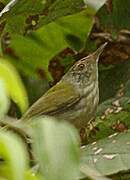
(81, 66)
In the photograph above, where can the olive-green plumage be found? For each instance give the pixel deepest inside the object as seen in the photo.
(75, 97)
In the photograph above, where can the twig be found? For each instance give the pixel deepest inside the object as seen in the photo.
(8, 7)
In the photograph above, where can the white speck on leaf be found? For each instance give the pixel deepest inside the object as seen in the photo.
(95, 160)
(98, 151)
(103, 117)
(128, 143)
(108, 111)
(109, 156)
(34, 22)
(82, 147)
(94, 143)
(118, 110)
(114, 141)
(116, 103)
(113, 135)
(95, 148)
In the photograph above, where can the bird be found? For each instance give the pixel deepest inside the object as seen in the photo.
(75, 97)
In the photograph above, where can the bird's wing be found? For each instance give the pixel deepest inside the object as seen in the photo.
(59, 98)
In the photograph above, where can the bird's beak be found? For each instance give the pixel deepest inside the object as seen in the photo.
(98, 52)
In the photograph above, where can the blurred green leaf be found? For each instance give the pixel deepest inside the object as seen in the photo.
(110, 155)
(4, 101)
(56, 149)
(14, 156)
(96, 4)
(31, 176)
(13, 84)
(31, 84)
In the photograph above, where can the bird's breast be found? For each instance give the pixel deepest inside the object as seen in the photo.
(84, 110)
(87, 106)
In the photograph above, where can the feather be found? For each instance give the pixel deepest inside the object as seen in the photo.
(59, 98)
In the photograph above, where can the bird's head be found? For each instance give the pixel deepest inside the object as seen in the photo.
(85, 70)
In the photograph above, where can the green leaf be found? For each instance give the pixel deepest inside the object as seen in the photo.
(31, 176)
(91, 173)
(110, 155)
(13, 84)
(60, 8)
(56, 149)
(77, 28)
(117, 18)
(17, 15)
(4, 101)
(112, 116)
(38, 49)
(14, 156)
(121, 76)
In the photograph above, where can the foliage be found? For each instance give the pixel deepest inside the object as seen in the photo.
(109, 155)
(52, 138)
(12, 167)
(40, 40)
(13, 84)
(4, 101)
